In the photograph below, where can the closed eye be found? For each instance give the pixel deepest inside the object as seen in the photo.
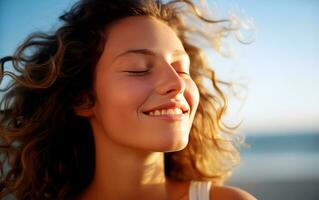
(138, 73)
(186, 73)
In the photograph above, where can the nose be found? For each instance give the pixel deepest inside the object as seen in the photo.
(169, 81)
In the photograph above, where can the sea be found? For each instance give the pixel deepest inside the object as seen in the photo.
(279, 166)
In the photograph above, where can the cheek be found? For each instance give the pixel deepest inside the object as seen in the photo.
(192, 95)
(122, 93)
(119, 101)
(129, 94)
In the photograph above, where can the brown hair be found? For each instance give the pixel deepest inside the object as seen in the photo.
(47, 151)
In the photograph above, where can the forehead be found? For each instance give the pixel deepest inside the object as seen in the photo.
(141, 32)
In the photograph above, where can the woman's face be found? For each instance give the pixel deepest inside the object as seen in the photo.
(145, 98)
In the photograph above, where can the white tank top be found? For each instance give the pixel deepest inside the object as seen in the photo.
(199, 190)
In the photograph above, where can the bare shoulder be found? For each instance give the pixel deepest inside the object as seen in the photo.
(232, 193)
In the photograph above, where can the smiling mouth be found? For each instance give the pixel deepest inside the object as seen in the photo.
(171, 114)
(164, 112)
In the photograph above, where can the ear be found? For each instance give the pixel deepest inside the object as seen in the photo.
(84, 107)
(83, 111)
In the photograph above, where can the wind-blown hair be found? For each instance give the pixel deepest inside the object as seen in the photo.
(47, 151)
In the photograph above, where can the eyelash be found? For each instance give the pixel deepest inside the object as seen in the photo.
(186, 73)
(137, 73)
(140, 73)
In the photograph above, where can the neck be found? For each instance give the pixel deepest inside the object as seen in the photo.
(123, 173)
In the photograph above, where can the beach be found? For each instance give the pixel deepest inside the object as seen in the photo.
(282, 190)
(280, 167)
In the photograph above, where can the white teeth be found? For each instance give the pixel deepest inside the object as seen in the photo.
(178, 111)
(175, 111)
(164, 112)
(157, 112)
(170, 112)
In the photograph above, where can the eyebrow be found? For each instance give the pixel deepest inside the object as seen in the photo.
(149, 53)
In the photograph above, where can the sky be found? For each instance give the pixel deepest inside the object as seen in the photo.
(280, 68)
(282, 64)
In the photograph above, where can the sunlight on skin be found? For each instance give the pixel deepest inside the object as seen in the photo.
(156, 75)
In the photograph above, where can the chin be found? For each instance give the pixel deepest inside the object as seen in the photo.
(171, 145)
(176, 148)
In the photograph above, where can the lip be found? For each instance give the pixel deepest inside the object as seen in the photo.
(169, 118)
(171, 105)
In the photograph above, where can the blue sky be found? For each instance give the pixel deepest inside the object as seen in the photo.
(281, 68)
(282, 64)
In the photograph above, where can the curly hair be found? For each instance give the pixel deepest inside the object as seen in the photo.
(47, 151)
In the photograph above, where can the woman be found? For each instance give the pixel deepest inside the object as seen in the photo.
(113, 105)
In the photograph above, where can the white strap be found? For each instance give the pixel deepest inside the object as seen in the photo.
(199, 190)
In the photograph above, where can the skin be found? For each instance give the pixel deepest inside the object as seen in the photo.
(129, 144)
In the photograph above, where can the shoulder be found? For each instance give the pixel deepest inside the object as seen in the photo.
(233, 193)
